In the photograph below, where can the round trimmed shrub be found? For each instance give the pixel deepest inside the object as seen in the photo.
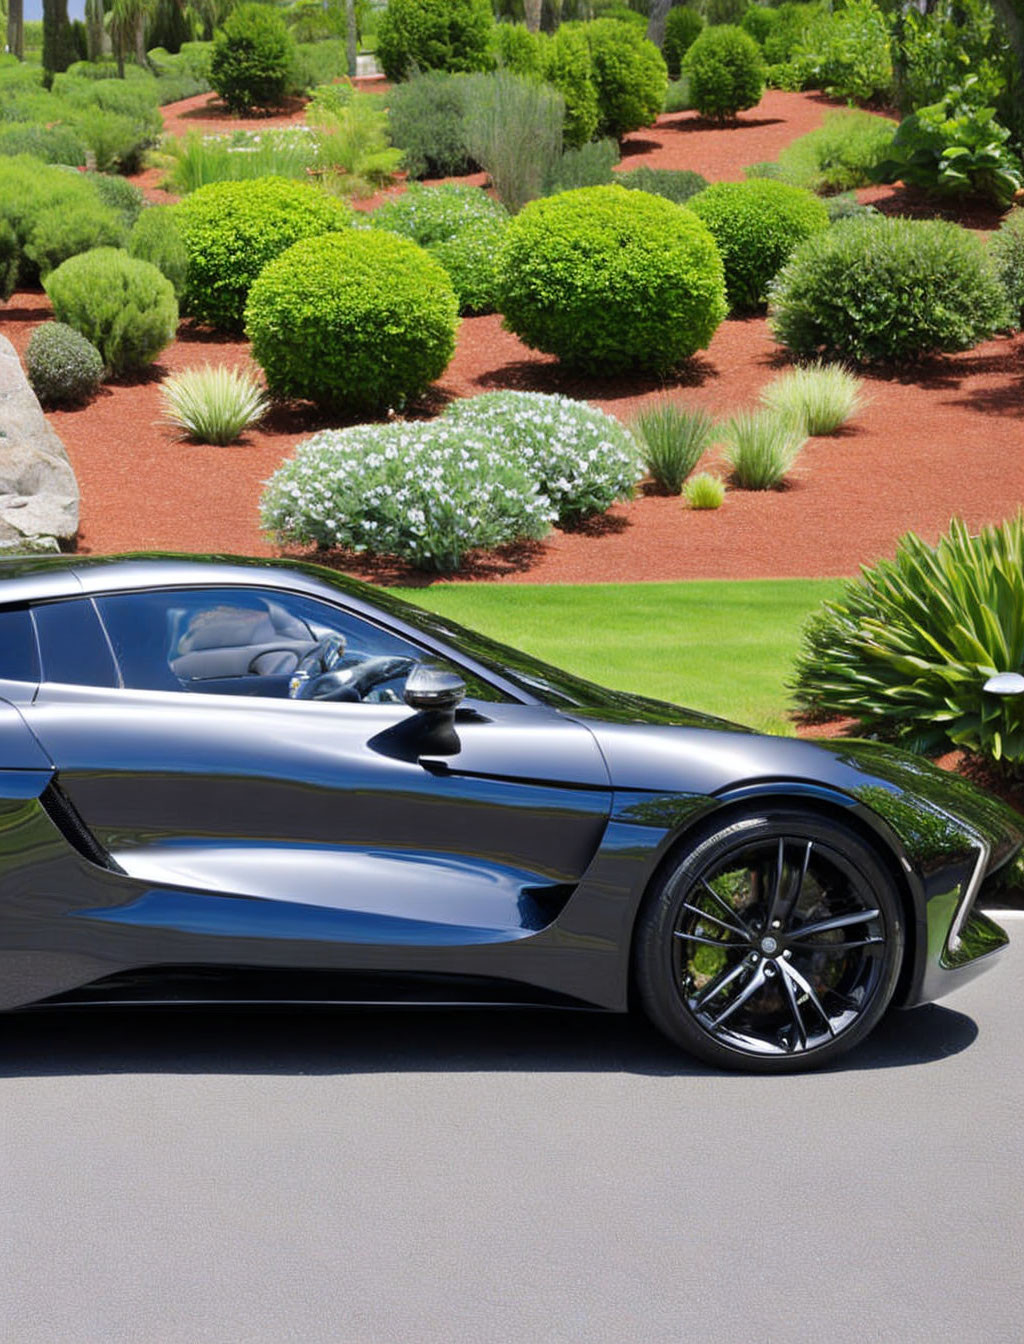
(887, 289)
(252, 58)
(434, 35)
(582, 459)
(682, 28)
(61, 232)
(568, 68)
(356, 320)
(726, 72)
(427, 493)
(629, 76)
(10, 259)
(64, 368)
(125, 307)
(27, 188)
(757, 225)
(1006, 247)
(231, 230)
(470, 258)
(610, 279)
(428, 215)
(155, 238)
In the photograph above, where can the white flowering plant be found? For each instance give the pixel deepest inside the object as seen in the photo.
(424, 492)
(582, 459)
(429, 215)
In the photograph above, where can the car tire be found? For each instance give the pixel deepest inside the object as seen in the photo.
(774, 944)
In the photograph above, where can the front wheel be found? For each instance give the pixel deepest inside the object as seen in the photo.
(774, 945)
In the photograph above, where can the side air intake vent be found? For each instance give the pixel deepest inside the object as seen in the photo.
(61, 812)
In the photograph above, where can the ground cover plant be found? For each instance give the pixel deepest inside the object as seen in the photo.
(906, 648)
(213, 404)
(606, 279)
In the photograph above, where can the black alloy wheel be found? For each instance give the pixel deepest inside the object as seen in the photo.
(775, 945)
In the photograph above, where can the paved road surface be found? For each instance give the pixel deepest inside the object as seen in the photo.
(382, 1176)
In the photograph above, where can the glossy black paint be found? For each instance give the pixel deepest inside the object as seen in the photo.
(171, 837)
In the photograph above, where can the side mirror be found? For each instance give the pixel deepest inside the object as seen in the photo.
(433, 688)
(1005, 683)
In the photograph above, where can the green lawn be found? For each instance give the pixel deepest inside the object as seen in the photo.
(724, 647)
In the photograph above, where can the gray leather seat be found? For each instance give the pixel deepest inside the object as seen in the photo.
(228, 641)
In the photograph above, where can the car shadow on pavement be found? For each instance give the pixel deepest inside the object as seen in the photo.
(318, 1041)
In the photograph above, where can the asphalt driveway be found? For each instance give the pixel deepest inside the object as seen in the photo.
(431, 1176)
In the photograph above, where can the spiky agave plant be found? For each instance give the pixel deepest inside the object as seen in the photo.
(213, 404)
(907, 648)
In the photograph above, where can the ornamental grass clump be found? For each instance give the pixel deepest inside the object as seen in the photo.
(761, 448)
(906, 649)
(819, 397)
(580, 458)
(704, 491)
(213, 404)
(672, 441)
(425, 493)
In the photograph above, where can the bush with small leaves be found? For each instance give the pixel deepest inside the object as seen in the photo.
(609, 279)
(761, 448)
(726, 72)
(1006, 247)
(682, 28)
(117, 193)
(428, 215)
(252, 58)
(118, 119)
(451, 35)
(470, 258)
(360, 320)
(231, 230)
(675, 184)
(125, 307)
(840, 154)
(704, 491)
(846, 206)
(426, 493)
(516, 49)
(757, 225)
(568, 67)
(672, 441)
(64, 368)
(155, 238)
(818, 397)
(580, 458)
(59, 233)
(760, 22)
(427, 119)
(27, 189)
(52, 144)
(629, 76)
(10, 259)
(213, 404)
(887, 289)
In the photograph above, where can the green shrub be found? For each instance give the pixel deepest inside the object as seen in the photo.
(704, 491)
(1006, 247)
(118, 119)
(451, 35)
(428, 215)
(840, 154)
(939, 46)
(818, 397)
(360, 320)
(581, 459)
(514, 132)
(726, 72)
(786, 33)
(568, 67)
(848, 207)
(59, 233)
(10, 260)
(760, 22)
(63, 367)
(756, 226)
(27, 189)
(354, 156)
(316, 63)
(470, 258)
(427, 117)
(609, 279)
(116, 142)
(720, 12)
(677, 96)
(515, 49)
(53, 144)
(846, 52)
(231, 230)
(213, 404)
(426, 493)
(675, 184)
(682, 28)
(672, 441)
(195, 160)
(887, 289)
(155, 238)
(252, 58)
(120, 195)
(589, 166)
(629, 76)
(125, 307)
(761, 448)
(906, 649)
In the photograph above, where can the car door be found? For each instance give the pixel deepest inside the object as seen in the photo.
(238, 812)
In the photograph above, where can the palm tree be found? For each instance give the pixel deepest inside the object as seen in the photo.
(127, 22)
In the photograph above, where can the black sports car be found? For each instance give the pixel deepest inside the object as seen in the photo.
(237, 780)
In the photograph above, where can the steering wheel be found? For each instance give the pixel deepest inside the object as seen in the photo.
(270, 648)
(323, 657)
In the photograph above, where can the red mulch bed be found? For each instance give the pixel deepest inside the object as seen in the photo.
(941, 439)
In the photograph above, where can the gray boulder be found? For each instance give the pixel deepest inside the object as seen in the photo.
(38, 490)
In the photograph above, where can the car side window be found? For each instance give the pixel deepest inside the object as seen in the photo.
(73, 649)
(249, 641)
(19, 659)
